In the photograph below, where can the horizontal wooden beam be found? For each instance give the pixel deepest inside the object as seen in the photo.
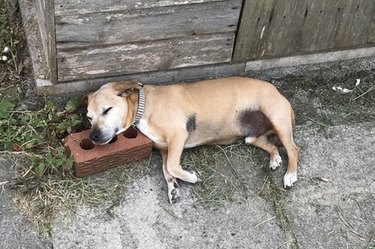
(146, 56)
(106, 28)
(77, 7)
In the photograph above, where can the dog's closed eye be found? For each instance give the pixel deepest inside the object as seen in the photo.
(107, 110)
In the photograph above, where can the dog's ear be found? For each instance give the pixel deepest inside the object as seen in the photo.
(85, 99)
(124, 88)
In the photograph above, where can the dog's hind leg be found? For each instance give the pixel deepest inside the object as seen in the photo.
(173, 193)
(286, 137)
(281, 116)
(284, 130)
(263, 143)
(175, 148)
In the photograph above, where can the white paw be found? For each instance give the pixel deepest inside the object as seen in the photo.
(289, 179)
(250, 140)
(194, 177)
(275, 162)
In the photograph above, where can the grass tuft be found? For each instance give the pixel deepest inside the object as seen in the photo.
(41, 200)
(219, 166)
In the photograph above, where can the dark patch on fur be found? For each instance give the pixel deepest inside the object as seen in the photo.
(254, 123)
(191, 124)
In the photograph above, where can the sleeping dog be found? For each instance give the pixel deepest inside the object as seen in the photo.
(182, 116)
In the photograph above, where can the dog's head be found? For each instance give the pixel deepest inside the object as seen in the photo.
(108, 110)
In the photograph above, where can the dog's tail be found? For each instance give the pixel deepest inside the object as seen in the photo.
(273, 138)
(293, 119)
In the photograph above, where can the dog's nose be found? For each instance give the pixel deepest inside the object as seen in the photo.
(94, 135)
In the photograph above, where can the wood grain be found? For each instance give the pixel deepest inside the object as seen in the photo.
(46, 20)
(73, 7)
(147, 24)
(276, 28)
(145, 56)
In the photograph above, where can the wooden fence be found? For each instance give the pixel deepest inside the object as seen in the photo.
(278, 28)
(95, 39)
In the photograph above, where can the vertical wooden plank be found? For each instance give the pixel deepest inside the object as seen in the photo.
(250, 35)
(46, 21)
(320, 25)
(51, 38)
(40, 8)
(371, 38)
(271, 28)
(336, 24)
(355, 27)
(371, 27)
(283, 33)
(331, 25)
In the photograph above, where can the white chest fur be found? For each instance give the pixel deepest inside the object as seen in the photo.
(145, 129)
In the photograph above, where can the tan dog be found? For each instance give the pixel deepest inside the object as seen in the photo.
(182, 116)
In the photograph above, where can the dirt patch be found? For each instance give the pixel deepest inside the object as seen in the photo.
(314, 98)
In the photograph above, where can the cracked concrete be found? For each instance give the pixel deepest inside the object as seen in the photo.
(331, 206)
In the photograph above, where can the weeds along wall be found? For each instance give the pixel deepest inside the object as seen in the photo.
(79, 45)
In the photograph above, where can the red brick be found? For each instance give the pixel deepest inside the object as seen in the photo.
(96, 158)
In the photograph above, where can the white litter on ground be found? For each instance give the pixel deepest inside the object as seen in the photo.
(346, 90)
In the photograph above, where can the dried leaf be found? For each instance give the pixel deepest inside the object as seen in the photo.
(16, 147)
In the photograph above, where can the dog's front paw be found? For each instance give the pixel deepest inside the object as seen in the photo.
(174, 196)
(194, 178)
(289, 179)
(275, 162)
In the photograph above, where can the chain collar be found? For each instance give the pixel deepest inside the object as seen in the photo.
(141, 106)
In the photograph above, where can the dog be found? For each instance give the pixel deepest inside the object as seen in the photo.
(187, 115)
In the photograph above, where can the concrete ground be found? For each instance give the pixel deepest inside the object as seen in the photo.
(331, 206)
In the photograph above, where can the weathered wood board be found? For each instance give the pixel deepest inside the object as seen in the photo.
(73, 7)
(115, 39)
(276, 28)
(102, 40)
(42, 21)
(46, 21)
(146, 24)
(145, 56)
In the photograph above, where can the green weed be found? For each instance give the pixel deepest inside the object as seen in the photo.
(38, 134)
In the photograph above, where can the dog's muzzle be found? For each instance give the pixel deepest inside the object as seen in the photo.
(100, 137)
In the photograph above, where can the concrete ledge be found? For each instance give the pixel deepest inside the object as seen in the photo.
(310, 59)
(204, 72)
